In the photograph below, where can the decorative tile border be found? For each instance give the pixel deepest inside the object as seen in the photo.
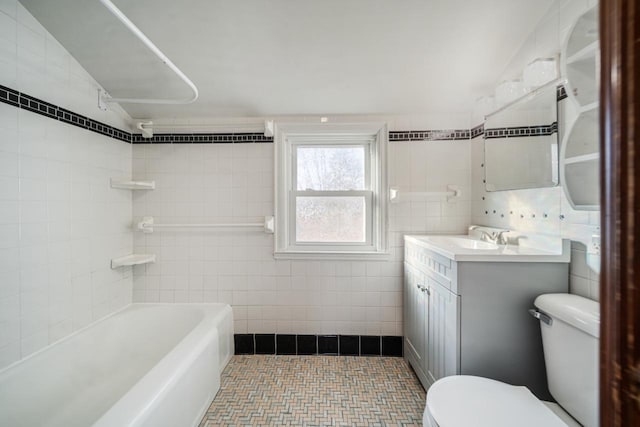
(202, 138)
(38, 106)
(561, 93)
(336, 345)
(477, 131)
(35, 105)
(430, 135)
(521, 131)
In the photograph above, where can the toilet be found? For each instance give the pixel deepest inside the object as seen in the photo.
(570, 328)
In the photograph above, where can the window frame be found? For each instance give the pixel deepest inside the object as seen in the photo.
(372, 136)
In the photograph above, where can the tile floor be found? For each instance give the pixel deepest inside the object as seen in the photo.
(317, 391)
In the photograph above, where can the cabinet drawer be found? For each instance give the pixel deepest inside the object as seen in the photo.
(435, 280)
(436, 266)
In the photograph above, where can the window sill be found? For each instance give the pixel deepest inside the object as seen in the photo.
(334, 256)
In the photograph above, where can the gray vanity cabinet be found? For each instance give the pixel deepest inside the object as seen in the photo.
(471, 318)
(415, 320)
(431, 323)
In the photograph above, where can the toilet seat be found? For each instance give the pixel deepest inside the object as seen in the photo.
(462, 401)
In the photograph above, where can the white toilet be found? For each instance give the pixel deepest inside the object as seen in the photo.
(570, 334)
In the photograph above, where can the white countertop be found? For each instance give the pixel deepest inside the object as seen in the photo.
(447, 246)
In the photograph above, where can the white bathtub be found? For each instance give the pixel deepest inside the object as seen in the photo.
(146, 365)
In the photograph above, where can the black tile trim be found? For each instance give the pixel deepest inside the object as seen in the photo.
(203, 138)
(561, 93)
(521, 131)
(349, 345)
(306, 344)
(430, 135)
(370, 345)
(392, 346)
(477, 131)
(328, 345)
(286, 344)
(38, 106)
(265, 343)
(244, 344)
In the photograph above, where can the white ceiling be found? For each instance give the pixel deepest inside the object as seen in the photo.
(283, 57)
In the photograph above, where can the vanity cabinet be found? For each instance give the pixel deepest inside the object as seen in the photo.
(471, 318)
(431, 333)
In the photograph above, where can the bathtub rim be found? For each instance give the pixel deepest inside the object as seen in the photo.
(176, 362)
(102, 319)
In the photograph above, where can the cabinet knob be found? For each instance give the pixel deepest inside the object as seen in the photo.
(423, 288)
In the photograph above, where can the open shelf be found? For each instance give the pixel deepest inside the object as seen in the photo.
(583, 158)
(581, 59)
(582, 78)
(583, 34)
(582, 138)
(590, 107)
(127, 184)
(582, 184)
(133, 259)
(589, 51)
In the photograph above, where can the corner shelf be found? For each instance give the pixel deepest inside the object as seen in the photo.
(127, 184)
(133, 259)
(581, 59)
(582, 158)
(580, 151)
(589, 51)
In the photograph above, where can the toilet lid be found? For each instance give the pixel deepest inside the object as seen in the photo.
(463, 401)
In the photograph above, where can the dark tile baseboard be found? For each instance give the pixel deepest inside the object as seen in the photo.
(336, 345)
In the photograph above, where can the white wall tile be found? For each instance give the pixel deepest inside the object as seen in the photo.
(54, 187)
(553, 214)
(219, 182)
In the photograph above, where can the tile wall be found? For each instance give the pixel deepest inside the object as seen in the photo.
(234, 182)
(60, 223)
(543, 210)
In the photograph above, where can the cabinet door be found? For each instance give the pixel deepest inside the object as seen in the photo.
(414, 317)
(442, 341)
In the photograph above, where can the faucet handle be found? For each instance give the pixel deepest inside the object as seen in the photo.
(501, 239)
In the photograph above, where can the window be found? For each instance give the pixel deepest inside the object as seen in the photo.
(328, 191)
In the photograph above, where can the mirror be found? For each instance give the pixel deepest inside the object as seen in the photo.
(521, 142)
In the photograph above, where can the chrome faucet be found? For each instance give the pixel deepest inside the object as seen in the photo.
(501, 239)
(497, 237)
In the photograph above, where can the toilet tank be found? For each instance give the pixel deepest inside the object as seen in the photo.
(570, 338)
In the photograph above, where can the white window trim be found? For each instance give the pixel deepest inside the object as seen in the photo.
(285, 136)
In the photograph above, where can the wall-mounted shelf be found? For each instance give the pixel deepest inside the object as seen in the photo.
(133, 259)
(582, 158)
(581, 59)
(589, 107)
(127, 184)
(588, 51)
(395, 195)
(580, 151)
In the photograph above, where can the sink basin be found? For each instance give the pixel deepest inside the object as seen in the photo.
(530, 248)
(463, 242)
